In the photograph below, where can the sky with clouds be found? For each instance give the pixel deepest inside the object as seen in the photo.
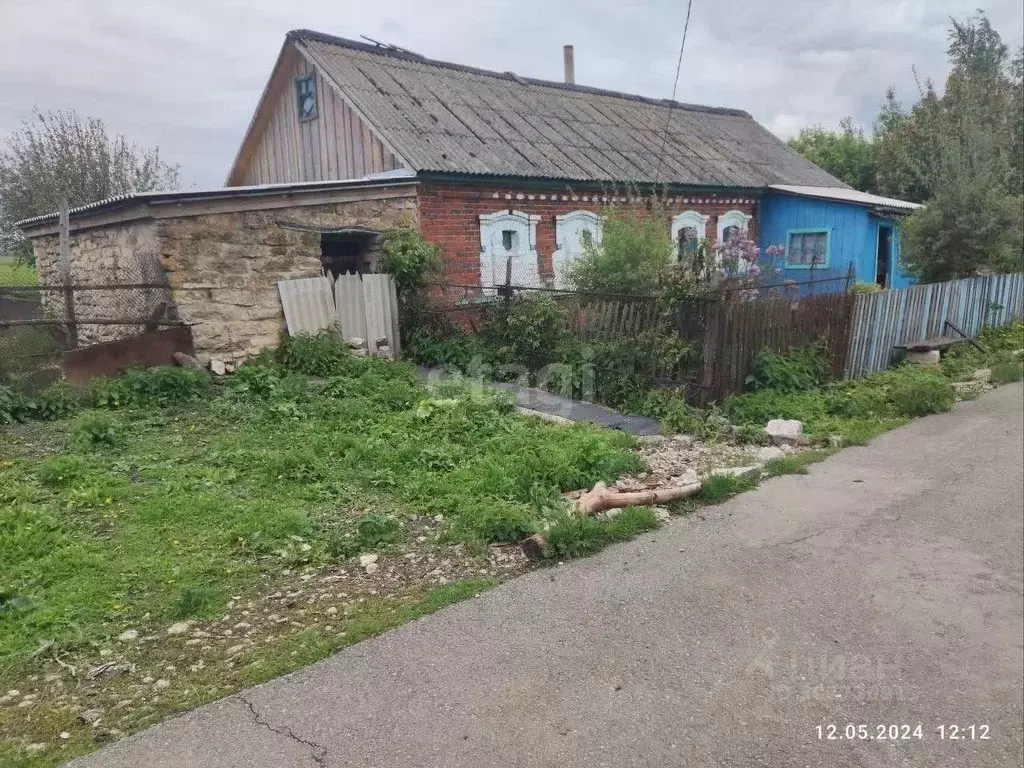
(186, 74)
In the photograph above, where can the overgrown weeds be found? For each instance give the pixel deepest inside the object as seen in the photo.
(571, 536)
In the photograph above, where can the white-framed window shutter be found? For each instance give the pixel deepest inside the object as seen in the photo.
(571, 229)
(508, 235)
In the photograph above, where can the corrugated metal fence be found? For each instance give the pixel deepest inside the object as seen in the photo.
(883, 320)
(360, 306)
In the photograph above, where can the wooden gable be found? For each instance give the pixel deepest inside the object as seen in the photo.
(279, 148)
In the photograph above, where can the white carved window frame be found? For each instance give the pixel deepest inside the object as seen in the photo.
(732, 219)
(693, 219)
(494, 256)
(569, 229)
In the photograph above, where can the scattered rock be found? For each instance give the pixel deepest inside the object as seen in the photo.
(162, 684)
(769, 453)
(187, 361)
(37, 747)
(332, 611)
(180, 628)
(90, 716)
(663, 514)
(785, 431)
(128, 635)
(218, 367)
(737, 471)
(235, 649)
(371, 568)
(147, 680)
(652, 440)
(105, 653)
(365, 560)
(26, 703)
(65, 735)
(983, 375)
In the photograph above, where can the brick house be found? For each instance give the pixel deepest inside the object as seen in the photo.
(513, 166)
(350, 138)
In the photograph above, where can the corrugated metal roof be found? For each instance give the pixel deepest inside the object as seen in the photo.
(446, 117)
(119, 201)
(847, 196)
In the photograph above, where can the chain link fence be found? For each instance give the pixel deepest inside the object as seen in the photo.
(40, 322)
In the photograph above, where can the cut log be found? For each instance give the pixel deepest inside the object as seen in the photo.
(602, 498)
(533, 547)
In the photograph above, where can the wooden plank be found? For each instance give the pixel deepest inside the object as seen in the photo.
(66, 273)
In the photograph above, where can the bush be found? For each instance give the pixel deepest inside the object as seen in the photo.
(164, 385)
(58, 400)
(799, 370)
(761, 407)
(634, 251)
(531, 331)
(13, 406)
(409, 258)
(95, 430)
(323, 354)
(918, 394)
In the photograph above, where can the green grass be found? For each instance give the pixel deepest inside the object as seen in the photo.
(137, 512)
(165, 501)
(718, 488)
(795, 463)
(572, 536)
(13, 274)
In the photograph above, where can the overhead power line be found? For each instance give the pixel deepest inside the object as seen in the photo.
(675, 85)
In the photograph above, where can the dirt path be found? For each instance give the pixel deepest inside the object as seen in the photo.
(884, 588)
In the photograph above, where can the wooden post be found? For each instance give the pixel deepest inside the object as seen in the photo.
(66, 275)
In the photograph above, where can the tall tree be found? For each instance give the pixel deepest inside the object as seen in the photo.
(847, 154)
(58, 155)
(960, 153)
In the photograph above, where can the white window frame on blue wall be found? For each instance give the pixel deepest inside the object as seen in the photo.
(692, 219)
(733, 218)
(494, 253)
(569, 230)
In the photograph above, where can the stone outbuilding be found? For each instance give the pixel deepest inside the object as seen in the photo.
(212, 259)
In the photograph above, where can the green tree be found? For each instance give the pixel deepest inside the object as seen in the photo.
(960, 153)
(847, 154)
(57, 155)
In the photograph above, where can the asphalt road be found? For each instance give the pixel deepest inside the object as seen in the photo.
(882, 589)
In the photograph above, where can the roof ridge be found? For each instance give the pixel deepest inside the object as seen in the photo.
(343, 42)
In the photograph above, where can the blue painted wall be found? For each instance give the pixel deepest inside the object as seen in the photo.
(853, 233)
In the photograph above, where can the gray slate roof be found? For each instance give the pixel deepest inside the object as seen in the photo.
(451, 118)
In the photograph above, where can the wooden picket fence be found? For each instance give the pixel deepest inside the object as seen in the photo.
(735, 333)
(610, 319)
